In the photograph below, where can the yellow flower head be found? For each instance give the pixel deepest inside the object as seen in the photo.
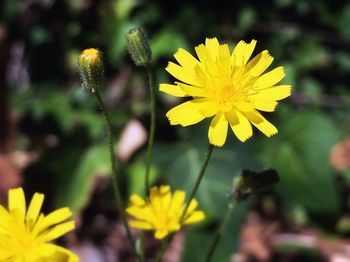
(227, 87)
(25, 233)
(91, 68)
(162, 211)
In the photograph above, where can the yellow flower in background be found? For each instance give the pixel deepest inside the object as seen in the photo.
(227, 87)
(25, 234)
(162, 211)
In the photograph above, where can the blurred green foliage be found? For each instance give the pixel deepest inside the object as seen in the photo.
(310, 38)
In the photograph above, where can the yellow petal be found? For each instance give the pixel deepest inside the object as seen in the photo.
(267, 106)
(261, 123)
(177, 201)
(244, 106)
(137, 200)
(161, 233)
(156, 200)
(192, 90)
(59, 230)
(51, 219)
(240, 125)
(207, 58)
(5, 219)
(64, 255)
(137, 212)
(196, 216)
(165, 196)
(225, 59)
(273, 93)
(173, 90)
(140, 224)
(45, 250)
(218, 130)
(185, 114)
(185, 59)
(259, 63)
(242, 52)
(270, 78)
(193, 205)
(174, 226)
(181, 74)
(212, 43)
(205, 106)
(203, 53)
(17, 201)
(164, 189)
(5, 255)
(34, 207)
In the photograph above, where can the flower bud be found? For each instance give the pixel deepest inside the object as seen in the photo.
(250, 182)
(138, 47)
(91, 68)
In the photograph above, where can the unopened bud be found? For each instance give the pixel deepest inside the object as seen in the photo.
(91, 68)
(138, 47)
(249, 182)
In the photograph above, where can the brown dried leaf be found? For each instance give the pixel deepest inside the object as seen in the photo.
(340, 155)
(132, 138)
(9, 176)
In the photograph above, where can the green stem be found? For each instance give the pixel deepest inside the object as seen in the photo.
(152, 127)
(220, 231)
(192, 195)
(115, 181)
(199, 179)
(163, 246)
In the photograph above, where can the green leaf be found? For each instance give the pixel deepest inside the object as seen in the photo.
(136, 176)
(166, 42)
(95, 162)
(180, 165)
(300, 154)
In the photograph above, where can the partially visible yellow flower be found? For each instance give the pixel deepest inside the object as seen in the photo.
(25, 234)
(162, 211)
(227, 87)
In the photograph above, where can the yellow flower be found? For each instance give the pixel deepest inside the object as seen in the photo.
(227, 87)
(25, 233)
(162, 211)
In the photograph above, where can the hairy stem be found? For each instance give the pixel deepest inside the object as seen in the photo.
(151, 129)
(220, 231)
(192, 195)
(115, 181)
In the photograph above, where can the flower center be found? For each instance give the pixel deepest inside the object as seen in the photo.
(229, 92)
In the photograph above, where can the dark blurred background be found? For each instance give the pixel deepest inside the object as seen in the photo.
(52, 137)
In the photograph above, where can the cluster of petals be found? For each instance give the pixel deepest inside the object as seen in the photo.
(226, 86)
(162, 211)
(25, 234)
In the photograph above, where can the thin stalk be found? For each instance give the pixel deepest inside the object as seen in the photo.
(163, 246)
(115, 181)
(192, 195)
(152, 127)
(220, 231)
(199, 179)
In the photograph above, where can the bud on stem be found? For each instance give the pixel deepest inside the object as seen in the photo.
(249, 182)
(91, 68)
(138, 47)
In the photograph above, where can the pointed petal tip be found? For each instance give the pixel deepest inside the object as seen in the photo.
(244, 139)
(274, 132)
